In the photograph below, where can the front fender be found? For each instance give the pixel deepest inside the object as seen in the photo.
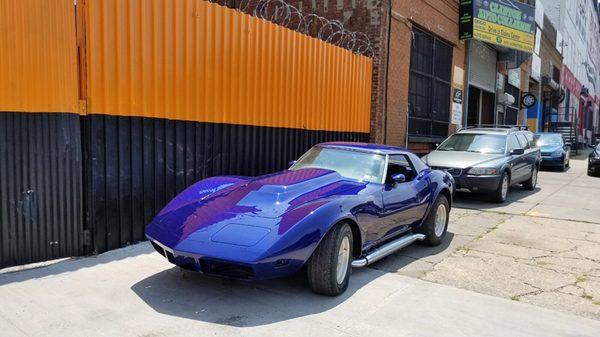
(302, 229)
(439, 182)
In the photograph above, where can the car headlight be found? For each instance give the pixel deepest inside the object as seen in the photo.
(557, 153)
(483, 171)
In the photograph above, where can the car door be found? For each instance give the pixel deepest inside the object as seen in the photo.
(530, 155)
(517, 163)
(404, 204)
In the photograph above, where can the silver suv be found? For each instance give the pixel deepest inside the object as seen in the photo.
(489, 160)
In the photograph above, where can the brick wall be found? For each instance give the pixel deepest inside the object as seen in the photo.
(438, 17)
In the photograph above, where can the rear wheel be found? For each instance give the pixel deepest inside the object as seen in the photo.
(502, 190)
(532, 182)
(329, 267)
(436, 224)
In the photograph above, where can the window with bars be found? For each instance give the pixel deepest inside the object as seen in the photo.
(429, 88)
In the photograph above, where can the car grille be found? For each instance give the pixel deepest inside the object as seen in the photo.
(207, 266)
(455, 172)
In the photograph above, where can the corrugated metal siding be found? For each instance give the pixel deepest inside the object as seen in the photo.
(197, 61)
(40, 187)
(38, 56)
(139, 164)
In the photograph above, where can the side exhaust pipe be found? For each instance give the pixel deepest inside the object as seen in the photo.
(387, 249)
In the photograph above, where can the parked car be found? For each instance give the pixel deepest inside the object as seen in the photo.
(555, 153)
(489, 160)
(594, 161)
(341, 205)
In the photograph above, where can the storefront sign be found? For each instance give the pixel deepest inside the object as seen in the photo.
(507, 23)
(570, 82)
(457, 96)
(528, 100)
(457, 113)
(514, 77)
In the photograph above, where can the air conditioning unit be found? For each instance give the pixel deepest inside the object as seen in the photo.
(506, 99)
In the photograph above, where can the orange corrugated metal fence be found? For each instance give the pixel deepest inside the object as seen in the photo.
(197, 61)
(38, 56)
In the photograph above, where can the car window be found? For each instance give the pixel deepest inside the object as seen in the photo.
(473, 142)
(399, 164)
(513, 143)
(530, 139)
(550, 139)
(355, 165)
(523, 141)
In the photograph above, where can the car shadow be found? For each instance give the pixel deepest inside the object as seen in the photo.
(235, 303)
(190, 295)
(555, 169)
(479, 201)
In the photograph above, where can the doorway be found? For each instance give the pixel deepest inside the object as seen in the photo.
(481, 107)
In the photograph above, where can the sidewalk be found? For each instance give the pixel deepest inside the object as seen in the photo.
(135, 292)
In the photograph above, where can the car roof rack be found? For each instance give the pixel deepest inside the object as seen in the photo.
(498, 126)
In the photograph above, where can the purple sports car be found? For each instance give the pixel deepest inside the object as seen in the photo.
(341, 205)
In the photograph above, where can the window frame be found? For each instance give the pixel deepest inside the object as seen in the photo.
(432, 80)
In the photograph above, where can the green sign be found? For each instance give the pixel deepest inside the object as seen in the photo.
(506, 23)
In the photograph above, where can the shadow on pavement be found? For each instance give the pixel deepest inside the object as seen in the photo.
(74, 264)
(196, 296)
(480, 201)
(235, 303)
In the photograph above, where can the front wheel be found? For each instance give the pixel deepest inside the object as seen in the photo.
(436, 224)
(502, 190)
(329, 267)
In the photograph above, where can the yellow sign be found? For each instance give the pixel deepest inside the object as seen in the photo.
(502, 35)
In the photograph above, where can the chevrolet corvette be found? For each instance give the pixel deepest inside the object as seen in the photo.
(341, 205)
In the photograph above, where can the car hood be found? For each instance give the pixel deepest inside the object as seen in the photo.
(549, 149)
(244, 213)
(459, 159)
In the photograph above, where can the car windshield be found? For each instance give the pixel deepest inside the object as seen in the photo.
(349, 164)
(548, 139)
(471, 142)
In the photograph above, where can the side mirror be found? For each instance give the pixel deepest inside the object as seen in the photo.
(517, 152)
(436, 146)
(399, 178)
(290, 164)
(591, 146)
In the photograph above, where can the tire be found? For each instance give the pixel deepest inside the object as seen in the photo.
(323, 266)
(501, 193)
(432, 226)
(530, 184)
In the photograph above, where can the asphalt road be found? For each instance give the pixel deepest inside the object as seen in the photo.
(416, 292)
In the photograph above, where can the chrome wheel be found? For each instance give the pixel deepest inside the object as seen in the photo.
(343, 259)
(504, 187)
(534, 177)
(441, 217)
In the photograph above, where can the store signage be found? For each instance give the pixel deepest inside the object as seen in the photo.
(528, 100)
(457, 96)
(514, 77)
(457, 111)
(506, 23)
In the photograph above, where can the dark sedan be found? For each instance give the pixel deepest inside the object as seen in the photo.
(555, 153)
(594, 161)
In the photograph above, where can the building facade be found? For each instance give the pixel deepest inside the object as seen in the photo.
(577, 39)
